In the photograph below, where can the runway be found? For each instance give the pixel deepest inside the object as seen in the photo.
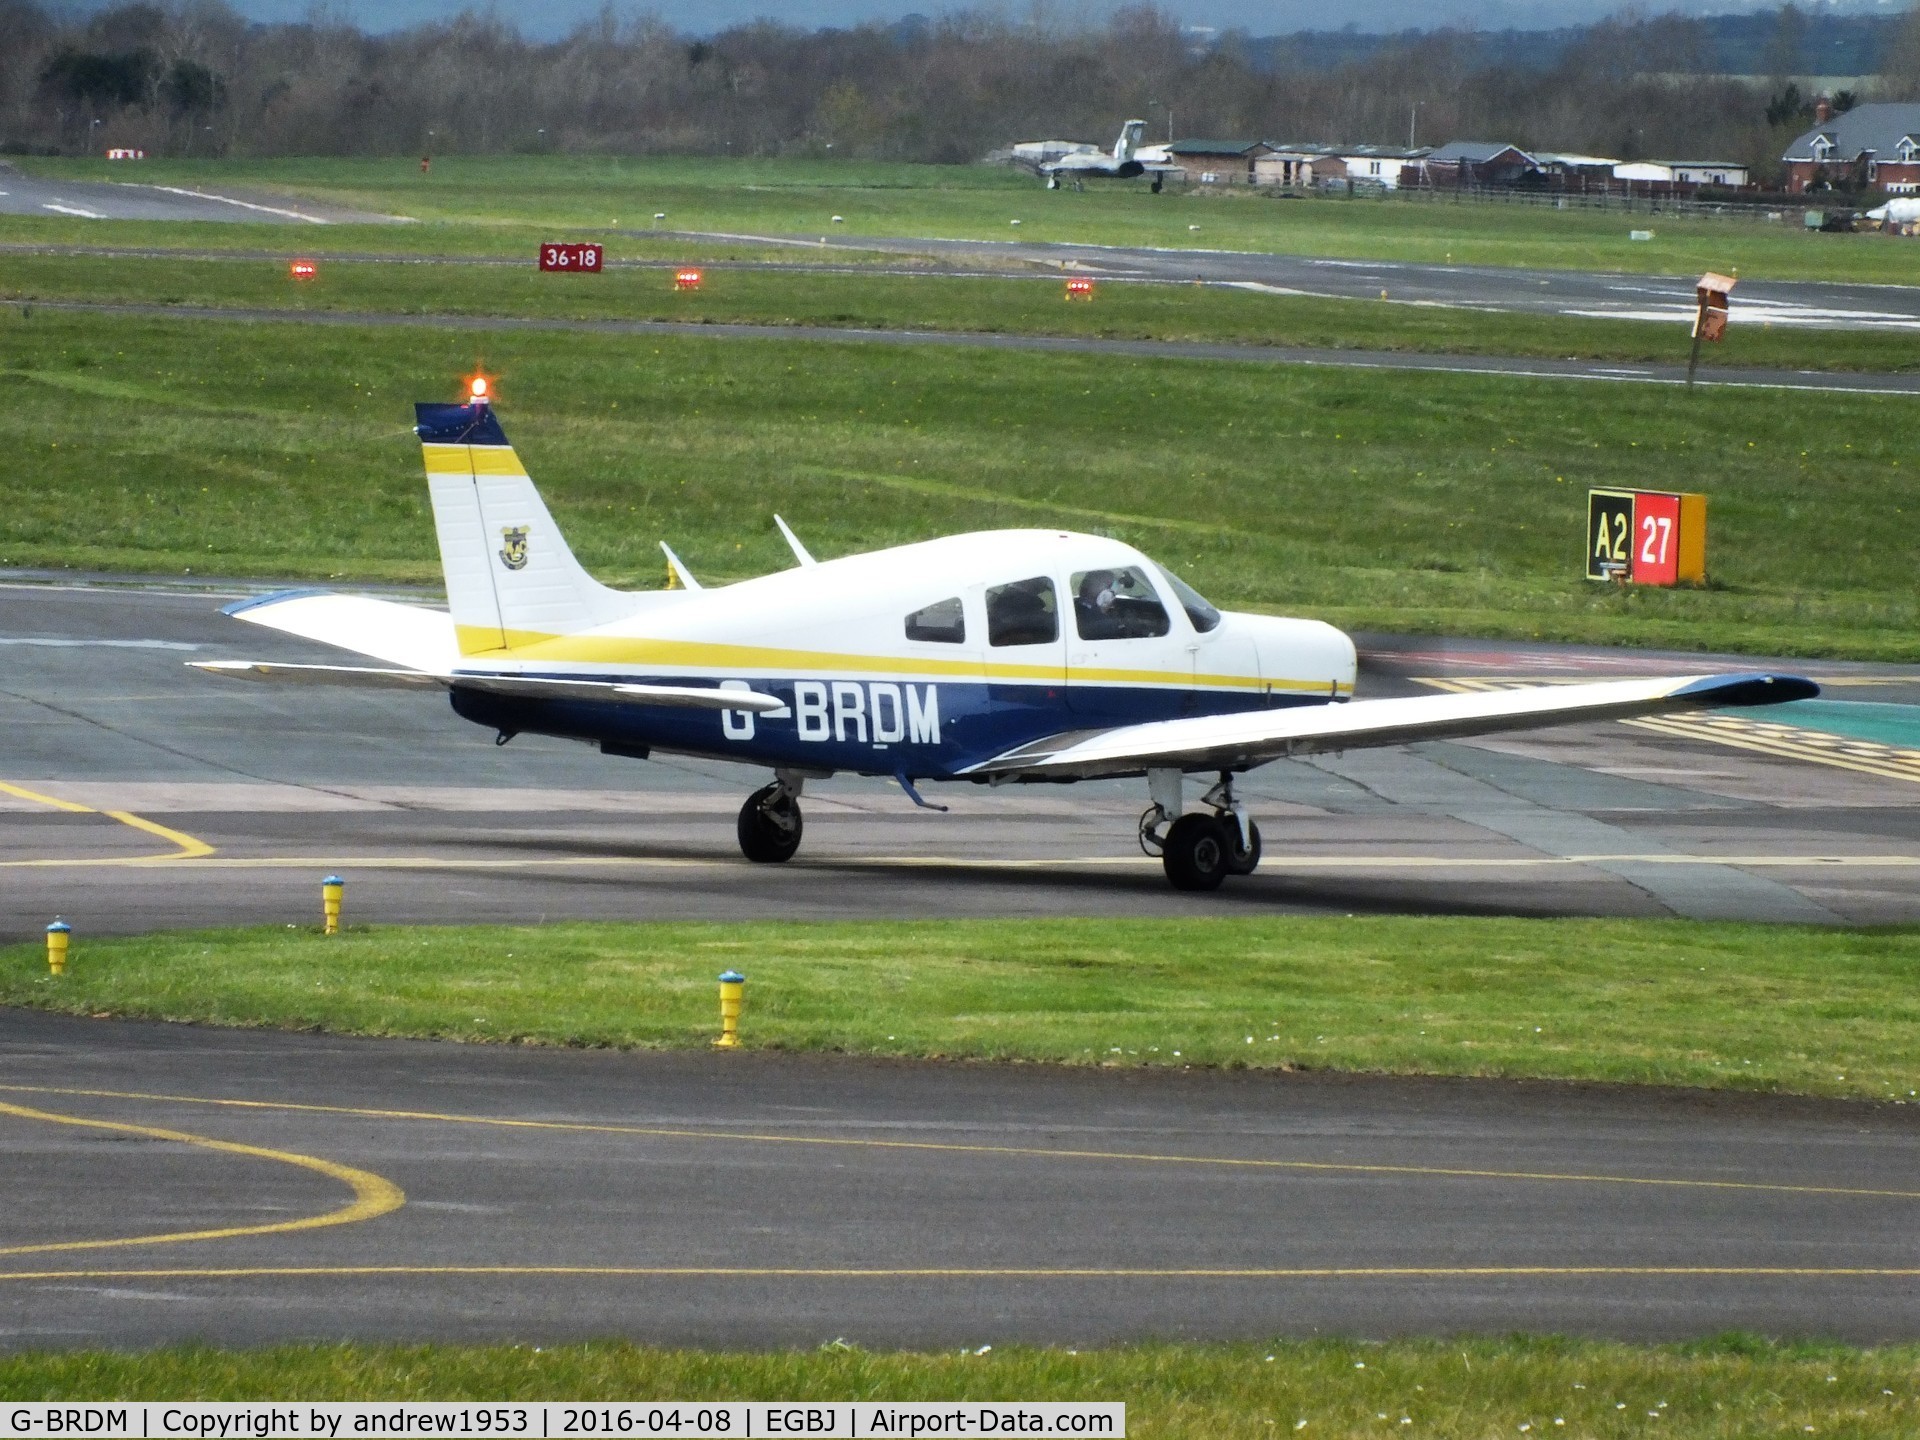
(132, 200)
(139, 795)
(1812, 304)
(174, 1183)
(1608, 372)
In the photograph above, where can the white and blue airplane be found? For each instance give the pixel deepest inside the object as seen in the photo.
(1004, 656)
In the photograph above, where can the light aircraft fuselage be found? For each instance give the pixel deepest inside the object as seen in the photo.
(997, 656)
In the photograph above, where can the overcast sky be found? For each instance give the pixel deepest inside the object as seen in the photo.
(547, 18)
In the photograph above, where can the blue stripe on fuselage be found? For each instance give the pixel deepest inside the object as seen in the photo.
(930, 730)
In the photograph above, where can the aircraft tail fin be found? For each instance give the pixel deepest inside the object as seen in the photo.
(511, 580)
(1129, 140)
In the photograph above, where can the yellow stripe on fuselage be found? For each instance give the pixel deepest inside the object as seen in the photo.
(668, 656)
(472, 460)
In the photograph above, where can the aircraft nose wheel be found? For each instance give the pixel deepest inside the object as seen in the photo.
(770, 825)
(1241, 862)
(1197, 853)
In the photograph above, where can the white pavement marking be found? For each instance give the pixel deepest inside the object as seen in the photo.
(54, 642)
(229, 200)
(71, 210)
(1768, 313)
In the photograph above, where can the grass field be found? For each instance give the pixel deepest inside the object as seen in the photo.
(1441, 503)
(1731, 1388)
(1750, 1007)
(787, 197)
(1027, 306)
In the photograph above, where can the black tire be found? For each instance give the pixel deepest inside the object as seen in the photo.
(1196, 853)
(1241, 862)
(770, 826)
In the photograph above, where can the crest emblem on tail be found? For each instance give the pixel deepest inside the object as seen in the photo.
(513, 554)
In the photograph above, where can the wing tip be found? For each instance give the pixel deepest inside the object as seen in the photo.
(1753, 688)
(272, 597)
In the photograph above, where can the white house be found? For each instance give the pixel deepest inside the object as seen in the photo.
(1381, 164)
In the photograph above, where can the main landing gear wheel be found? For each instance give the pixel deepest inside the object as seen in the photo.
(1196, 853)
(770, 825)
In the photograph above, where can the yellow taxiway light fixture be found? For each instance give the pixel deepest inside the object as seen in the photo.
(332, 891)
(733, 989)
(59, 936)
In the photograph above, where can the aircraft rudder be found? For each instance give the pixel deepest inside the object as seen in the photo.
(512, 580)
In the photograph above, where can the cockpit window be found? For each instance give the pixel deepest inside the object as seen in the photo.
(1023, 613)
(1117, 604)
(1203, 615)
(942, 621)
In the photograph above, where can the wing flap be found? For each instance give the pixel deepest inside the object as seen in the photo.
(1238, 742)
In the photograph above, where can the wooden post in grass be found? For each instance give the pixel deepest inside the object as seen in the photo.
(1710, 319)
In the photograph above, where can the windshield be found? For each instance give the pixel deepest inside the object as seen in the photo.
(1203, 615)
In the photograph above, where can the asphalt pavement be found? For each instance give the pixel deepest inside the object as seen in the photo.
(243, 795)
(131, 199)
(171, 1183)
(1814, 304)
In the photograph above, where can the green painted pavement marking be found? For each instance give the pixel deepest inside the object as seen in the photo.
(1897, 725)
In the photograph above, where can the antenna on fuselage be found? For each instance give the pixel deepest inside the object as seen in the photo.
(680, 572)
(793, 543)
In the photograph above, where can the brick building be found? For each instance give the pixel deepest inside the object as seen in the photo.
(1870, 145)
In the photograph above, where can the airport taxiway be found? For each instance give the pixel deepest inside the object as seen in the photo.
(1846, 382)
(1811, 304)
(139, 794)
(167, 1183)
(133, 200)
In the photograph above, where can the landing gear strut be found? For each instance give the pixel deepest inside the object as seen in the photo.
(770, 823)
(1199, 850)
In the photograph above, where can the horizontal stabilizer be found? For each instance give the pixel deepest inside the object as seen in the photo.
(410, 636)
(531, 687)
(1238, 742)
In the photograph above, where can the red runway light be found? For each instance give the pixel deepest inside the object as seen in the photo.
(688, 279)
(1079, 288)
(303, 270)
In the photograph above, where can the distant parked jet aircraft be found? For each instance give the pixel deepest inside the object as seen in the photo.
(1090, 164)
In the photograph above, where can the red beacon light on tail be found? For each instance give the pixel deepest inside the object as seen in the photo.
(686, 279)
(479, 390)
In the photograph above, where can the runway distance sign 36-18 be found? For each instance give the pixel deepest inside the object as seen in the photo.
(577, 255)
(1648, 537)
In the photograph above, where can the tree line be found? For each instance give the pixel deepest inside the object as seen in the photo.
(199, 79)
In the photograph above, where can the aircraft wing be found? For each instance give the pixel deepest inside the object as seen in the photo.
(1239, 742)
(532, 687)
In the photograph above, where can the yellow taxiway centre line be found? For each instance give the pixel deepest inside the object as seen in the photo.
(948, 1147)
(189, 847)
(1010, 1272)
(373, 1195)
